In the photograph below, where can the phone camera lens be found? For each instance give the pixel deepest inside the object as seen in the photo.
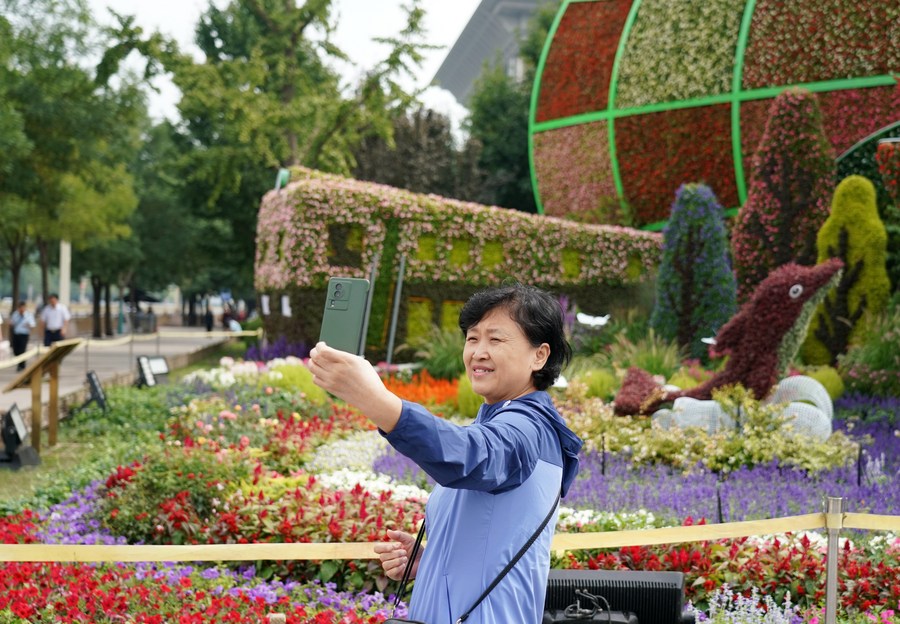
(338, 294)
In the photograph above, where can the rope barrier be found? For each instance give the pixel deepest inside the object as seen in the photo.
(19, 358)
(364, 550)
(871, 522)
(204, 552)
(117, 342)
(695, 533)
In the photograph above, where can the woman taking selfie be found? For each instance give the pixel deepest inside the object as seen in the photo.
(498, 479)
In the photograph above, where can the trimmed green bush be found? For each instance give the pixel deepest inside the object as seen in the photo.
(296, 378)
(696, 290)
(600, 383)
(829, 377)
(469, 402)
(872, 363)
(855, 234)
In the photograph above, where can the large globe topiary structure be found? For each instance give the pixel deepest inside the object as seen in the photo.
(632, 98)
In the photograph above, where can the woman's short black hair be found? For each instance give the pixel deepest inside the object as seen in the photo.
(539, 315)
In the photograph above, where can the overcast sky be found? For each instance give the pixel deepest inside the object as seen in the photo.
(358, 22)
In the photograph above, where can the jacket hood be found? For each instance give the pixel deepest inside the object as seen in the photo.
(569, 442)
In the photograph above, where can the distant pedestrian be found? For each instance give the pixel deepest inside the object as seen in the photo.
(54, 320)
(21, 324)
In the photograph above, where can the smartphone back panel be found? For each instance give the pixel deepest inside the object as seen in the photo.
(344, 315)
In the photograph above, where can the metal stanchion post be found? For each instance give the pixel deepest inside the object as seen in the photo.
(834, 519)
(396, 311)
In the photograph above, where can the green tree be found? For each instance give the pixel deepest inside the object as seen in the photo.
(264, 97)
(14, 142)
(71, 184)
(499, 121)
(422, 157)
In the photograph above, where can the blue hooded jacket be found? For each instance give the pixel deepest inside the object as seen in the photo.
(497, 479)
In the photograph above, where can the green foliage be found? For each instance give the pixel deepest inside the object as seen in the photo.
(102, 441)
(253, 324)
(498, 119)
(683, 380)
(872, 363)
(469, 402)
(441, 353)
(262, 95)
(296, 378)
(829, 377)
(862, 161)
(696, 290)
(763, 436)
(70, 138)
(421, 156)
(854, 233)
(599, 383)
(652, 353)
(194, 477)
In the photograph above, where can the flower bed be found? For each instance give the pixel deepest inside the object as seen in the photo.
(246, 461)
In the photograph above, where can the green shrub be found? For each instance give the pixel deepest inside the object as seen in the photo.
(469, 402)
(651, 353)
(167, 482)
(854, 233)
(683, 380)
(829, 377)
(872, 363)
(441, 353)
(601, 383)
(253, 324)
(633, 325)
(762, 436)
(296, 378)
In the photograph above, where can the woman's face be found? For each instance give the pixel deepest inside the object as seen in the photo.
(499, 358)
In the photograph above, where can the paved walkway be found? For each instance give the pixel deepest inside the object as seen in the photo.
(113, 360)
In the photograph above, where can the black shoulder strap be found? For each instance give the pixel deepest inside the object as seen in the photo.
(512, 562)
(409, 565)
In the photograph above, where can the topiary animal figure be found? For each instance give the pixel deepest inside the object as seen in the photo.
(696, 291)
(760, 340)
(854, 233)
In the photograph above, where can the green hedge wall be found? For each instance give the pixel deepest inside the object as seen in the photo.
(322, 225)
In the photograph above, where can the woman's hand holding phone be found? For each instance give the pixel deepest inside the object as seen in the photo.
(353, 380)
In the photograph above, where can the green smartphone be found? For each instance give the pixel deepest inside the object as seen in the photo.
(344, 317)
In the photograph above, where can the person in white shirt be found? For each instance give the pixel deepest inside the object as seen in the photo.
(21, 324)
(54, 320)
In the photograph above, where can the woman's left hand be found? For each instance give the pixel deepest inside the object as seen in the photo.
(353, 380)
